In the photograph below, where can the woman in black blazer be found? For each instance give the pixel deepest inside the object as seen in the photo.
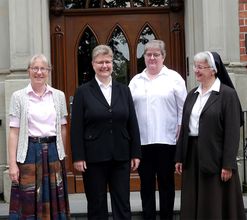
(105, 139)
(208, 145)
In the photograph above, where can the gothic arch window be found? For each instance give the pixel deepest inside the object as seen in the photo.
(119, 44)
(87, 42)
(146, 35)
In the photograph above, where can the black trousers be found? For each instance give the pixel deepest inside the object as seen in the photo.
(157, 162)
(111, 175)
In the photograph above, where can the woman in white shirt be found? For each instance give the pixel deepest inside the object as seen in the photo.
(36, 142)
(158, 95)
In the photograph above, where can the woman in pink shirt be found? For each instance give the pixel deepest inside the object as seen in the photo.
(36, 142)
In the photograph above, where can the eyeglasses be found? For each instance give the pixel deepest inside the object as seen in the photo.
(201, 67)
(154, 55)
(101, 63)
(41, 69)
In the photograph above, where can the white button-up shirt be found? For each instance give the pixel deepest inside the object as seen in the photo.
(105, 89)
(199, 105)
(159, 104)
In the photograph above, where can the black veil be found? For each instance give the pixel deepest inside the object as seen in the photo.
(224, 77)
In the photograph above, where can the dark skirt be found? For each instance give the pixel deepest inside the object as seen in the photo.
(42, 189)
(205, 196)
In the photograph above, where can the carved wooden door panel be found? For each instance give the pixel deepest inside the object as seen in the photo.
(76, 28)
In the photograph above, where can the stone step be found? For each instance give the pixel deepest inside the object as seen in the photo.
(78, 206)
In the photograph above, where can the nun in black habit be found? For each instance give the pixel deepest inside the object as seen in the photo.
(208, 144)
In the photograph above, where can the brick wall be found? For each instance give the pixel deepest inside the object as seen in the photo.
(243, 30)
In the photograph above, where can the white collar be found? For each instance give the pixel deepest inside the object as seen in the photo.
(214, 87)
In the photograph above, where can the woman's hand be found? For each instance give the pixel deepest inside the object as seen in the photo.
(179, 168)
(135, 164)
(80, 165)
(12, 148)
(14, 173)
(226, 174)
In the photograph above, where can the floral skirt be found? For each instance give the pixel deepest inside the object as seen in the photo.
(42, 190)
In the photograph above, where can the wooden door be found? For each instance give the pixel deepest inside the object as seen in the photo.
(126, 26)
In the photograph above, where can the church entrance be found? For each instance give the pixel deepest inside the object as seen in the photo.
(77, 26)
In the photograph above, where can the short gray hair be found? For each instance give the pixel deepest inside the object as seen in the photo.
(39, 56)
(103, 50)
(156, 44)
(205, 57)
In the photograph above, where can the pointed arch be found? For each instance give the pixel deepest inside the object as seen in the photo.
(119, 43)
(87, 41)
(146, 34)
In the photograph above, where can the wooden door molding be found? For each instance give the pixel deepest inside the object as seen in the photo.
(177, 5)
(56, 7)
(57, 39)
(178, 45)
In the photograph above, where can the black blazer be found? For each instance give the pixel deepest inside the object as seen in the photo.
(219, 130)
(100, 132)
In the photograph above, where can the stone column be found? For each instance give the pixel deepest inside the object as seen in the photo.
(211, 25)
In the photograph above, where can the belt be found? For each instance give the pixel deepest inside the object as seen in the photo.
(42, 140)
